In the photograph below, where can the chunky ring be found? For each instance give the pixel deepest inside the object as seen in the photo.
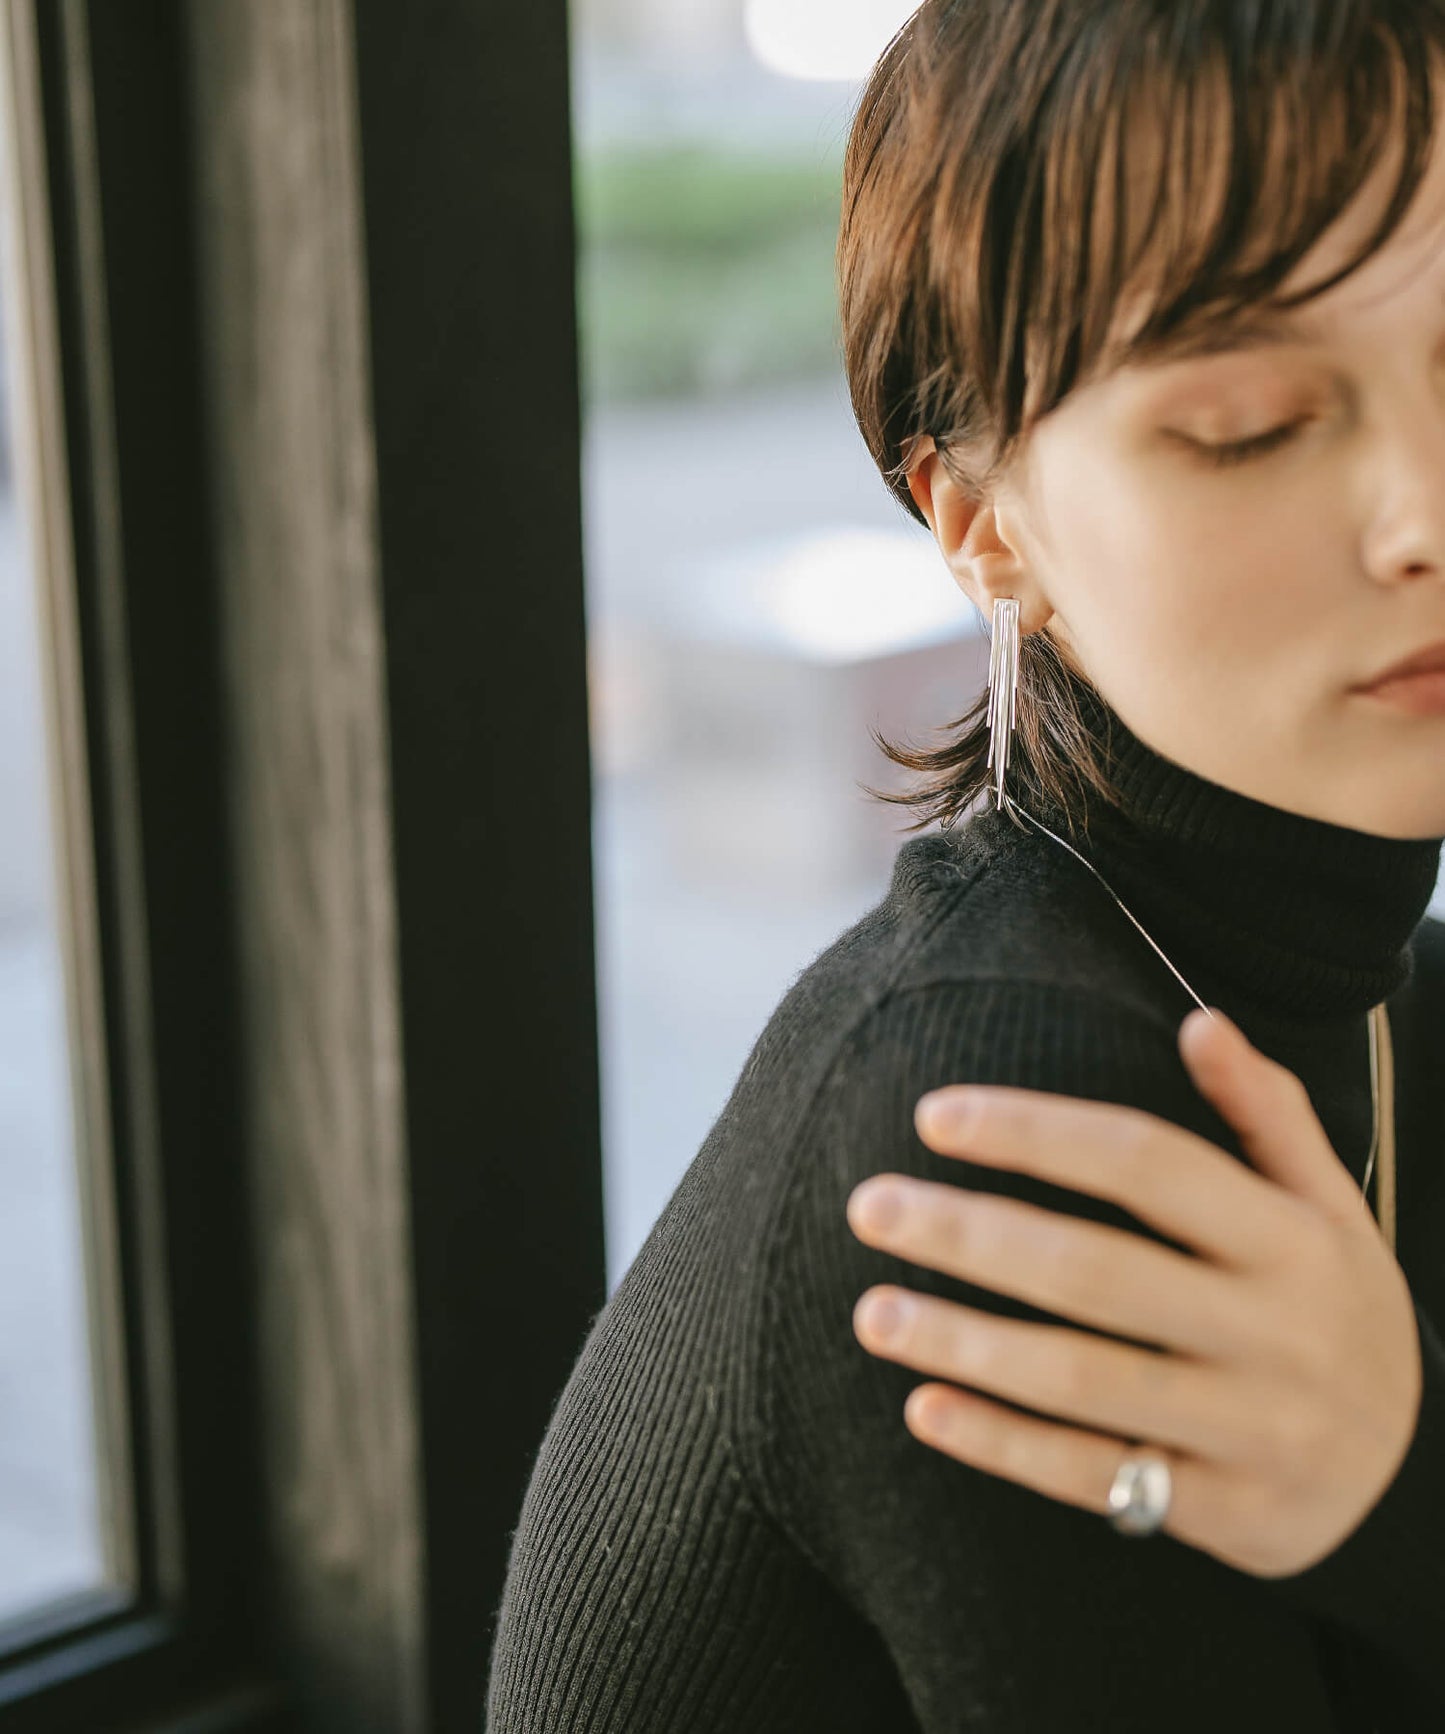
(1139, 1499)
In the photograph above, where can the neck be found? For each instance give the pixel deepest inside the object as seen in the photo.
(1257, 907)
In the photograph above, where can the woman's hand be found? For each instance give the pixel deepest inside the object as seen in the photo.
(1286, 1380)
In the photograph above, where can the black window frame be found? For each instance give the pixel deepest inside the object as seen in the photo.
(464, 184)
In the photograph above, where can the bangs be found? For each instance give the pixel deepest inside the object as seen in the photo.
(1176, 175)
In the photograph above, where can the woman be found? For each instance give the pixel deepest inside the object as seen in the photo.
(1144, 317)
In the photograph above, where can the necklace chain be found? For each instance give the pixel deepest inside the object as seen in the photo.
(1372, 1022)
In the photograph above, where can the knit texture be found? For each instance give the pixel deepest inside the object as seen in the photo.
(728, 1526)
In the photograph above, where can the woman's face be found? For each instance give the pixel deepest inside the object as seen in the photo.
(1227, 612)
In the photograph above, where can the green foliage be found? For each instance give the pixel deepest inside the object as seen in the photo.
(703, 271)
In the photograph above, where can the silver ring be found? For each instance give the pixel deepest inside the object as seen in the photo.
(1140, 1497)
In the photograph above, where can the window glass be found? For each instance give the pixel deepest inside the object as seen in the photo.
(756, 598)
(50, 1527)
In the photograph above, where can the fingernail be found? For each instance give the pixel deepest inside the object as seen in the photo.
(946, 1110)
(877, 1205)
(884, 1316)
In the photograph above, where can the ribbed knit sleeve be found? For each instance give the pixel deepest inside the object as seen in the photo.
(1002, 1608)
(647, 1591)
(645, 1594)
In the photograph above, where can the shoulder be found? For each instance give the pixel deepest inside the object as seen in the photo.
(1066, 1038)
(1065, 1041)
(1033, 1035)
(988, 907)
(811, 1268)
(990, 964)
(996, 901)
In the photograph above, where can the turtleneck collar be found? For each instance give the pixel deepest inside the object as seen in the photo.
(1259, 908)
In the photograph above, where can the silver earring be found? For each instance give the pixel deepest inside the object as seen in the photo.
(1003, 686)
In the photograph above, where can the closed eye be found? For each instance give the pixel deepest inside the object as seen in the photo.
(1241, 451)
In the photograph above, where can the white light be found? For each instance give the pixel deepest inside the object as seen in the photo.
(833, 595)
(823, 39)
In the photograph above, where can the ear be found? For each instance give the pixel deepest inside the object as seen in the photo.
(975, 546)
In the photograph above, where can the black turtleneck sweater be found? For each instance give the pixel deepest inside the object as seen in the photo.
(728, 1527)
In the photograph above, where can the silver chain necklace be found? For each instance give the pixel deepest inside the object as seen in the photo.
(1372, 1017)
(1004, 660)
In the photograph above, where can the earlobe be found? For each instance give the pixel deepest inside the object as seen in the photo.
(987, 573)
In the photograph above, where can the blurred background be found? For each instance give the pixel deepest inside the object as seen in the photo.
(756, 598)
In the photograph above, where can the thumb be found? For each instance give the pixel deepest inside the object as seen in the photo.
(1270, 1110)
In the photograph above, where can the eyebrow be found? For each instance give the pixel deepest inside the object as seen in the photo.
(1253, 328)
(1261, 328)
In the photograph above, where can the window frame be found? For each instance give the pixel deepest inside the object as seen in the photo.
(117, 521)
(163, 393)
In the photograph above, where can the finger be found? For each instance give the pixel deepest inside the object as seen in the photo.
(1064, 1463)
(1083, 1271)
(1270, 1109)
(1163, 1174)
(1071, 1464)
(1070, 1375)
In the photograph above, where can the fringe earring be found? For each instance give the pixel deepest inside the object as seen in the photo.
(1003, 686)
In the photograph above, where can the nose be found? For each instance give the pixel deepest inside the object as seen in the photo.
(1407, 516)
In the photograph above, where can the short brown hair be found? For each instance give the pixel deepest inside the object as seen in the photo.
(1017, 169)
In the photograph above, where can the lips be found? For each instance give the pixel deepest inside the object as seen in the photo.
(1430, 660)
